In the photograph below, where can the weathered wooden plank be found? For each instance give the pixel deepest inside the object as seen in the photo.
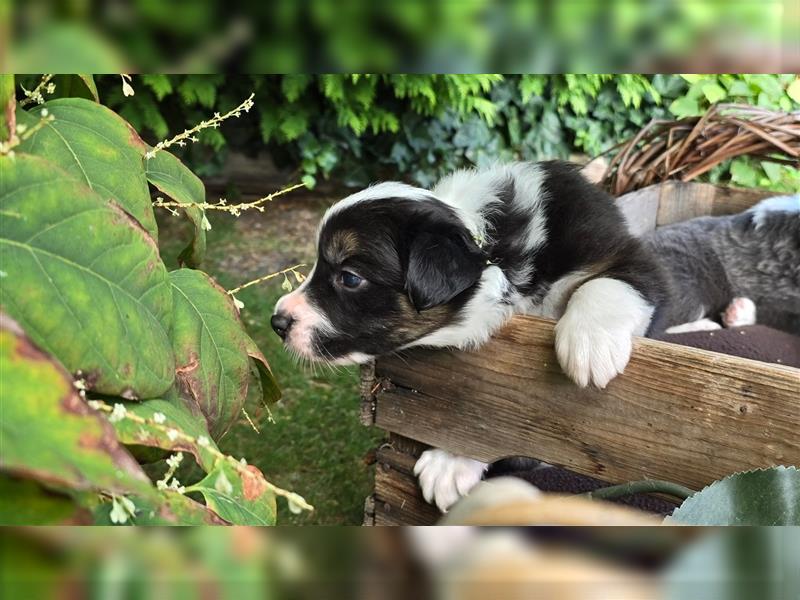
(397, 498)
(640, 209)
(679, 201)
(677, 413)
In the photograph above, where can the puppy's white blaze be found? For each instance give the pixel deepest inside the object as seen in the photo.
(529, 197)
(699, 325)
(473, 195)
(307, 320)
(775, 204)
(387, 189)
(593, 338)
(484, 314)
(445, 478)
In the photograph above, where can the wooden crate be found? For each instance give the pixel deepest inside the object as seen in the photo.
(677, 413)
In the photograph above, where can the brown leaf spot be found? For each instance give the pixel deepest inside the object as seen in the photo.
(188, 367)
(253, 482)
(125, 218)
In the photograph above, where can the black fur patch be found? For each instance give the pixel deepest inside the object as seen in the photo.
(420, 265)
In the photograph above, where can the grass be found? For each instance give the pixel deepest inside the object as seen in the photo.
(316, 446)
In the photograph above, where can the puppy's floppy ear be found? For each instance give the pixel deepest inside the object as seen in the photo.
(440, 267)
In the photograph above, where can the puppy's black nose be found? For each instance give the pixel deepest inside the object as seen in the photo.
(281, 322)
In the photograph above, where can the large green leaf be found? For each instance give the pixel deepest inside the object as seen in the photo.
(96, 146)
(760, 497)
(25, 502)
(211, 349)
(171, 508)
(735, 563)
(240, 496)
(161, 417)
(84, 280)
(75, 86)
(167, 173)
(48, 431)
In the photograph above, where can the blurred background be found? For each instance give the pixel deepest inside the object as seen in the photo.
(453, 563)
(408, 36)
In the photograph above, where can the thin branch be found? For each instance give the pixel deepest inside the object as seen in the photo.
(35, 95)
(214, 122)
(294, 499)
(293, 270)
(234, 209)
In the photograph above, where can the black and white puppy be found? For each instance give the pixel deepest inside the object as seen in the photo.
(400, 266)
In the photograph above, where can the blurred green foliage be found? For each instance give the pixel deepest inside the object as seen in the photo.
(361, 128)
(183, 36)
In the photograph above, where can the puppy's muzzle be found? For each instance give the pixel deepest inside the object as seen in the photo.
(281, 323)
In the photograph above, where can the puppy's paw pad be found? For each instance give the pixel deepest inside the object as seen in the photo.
(445, 478)
(740, 312)
(591, 354)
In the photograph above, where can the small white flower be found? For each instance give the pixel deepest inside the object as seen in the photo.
(243, 462)
(172, 434)
(95, 404)
(205, 223)
(296, 503)
(202, 441)
(127, 89)
(175, 460)
(159, 418)
(121, 509)
(149, 154)
(118, 413)
(51, 88)
(45, 112)
(21, 128)
(238, 303)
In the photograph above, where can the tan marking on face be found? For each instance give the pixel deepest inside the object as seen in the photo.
(342, 245)
(414, 325)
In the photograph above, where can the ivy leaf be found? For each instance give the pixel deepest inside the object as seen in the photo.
(760, 497)
(170, 176)
(743, 174)
(97, 147)
(714, 92)
(49, 433)
(684, 107)
(793, 90)
(84, 280)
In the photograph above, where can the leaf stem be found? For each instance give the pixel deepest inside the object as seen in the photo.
(646, 486)
(234, 209)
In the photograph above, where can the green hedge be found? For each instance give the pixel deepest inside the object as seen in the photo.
(359, 128)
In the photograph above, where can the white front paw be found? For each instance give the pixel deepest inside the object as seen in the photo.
(592, 353)
(445, 478)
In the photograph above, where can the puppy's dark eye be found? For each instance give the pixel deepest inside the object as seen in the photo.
(350, 280)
